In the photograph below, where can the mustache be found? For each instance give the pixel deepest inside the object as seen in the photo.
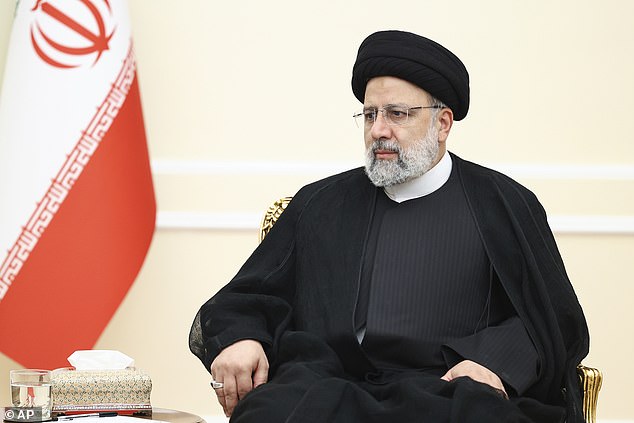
(385, 146)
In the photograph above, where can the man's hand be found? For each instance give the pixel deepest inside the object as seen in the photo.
(240, 367)
(476, 372)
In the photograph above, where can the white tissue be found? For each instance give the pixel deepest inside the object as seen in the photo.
(100, 360)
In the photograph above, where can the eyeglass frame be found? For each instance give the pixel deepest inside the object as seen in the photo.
(388, 121)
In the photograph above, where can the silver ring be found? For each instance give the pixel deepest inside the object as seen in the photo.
(216, 385)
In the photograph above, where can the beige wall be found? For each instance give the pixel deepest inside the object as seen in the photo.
(246, 101)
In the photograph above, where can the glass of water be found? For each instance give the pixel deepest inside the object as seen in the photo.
(31, 390)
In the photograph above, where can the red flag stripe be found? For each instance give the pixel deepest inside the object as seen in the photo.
(84, 264)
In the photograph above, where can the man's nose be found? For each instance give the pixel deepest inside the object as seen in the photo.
(380, 128)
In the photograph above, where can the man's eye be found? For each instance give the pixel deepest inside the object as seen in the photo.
(397, 115)
(369, 115)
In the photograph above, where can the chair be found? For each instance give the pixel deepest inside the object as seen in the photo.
(590, 379)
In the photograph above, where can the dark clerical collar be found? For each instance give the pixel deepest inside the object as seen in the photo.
(422, 185)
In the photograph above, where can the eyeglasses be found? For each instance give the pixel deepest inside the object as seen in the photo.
(393, 115)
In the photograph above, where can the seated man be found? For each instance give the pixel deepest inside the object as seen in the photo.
(421, 288)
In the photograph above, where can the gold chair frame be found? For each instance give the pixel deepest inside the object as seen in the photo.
(590, 379)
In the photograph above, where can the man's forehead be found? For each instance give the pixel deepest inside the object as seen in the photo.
(392, 90)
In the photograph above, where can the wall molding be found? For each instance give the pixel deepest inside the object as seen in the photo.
(235, 220)
(208, 220)
(600, 225)
(285, 168)
(246, 167)
(240, 221)
(618, 172)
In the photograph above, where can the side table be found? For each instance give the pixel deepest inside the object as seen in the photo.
(173, 416)
(166, 415)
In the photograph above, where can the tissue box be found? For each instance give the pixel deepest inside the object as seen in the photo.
(126, 391)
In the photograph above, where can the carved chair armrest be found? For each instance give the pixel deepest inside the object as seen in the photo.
(590, 380)
(272, 214)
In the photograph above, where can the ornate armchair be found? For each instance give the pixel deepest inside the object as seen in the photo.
(590, 379)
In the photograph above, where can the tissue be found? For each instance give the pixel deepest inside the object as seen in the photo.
(100, 360)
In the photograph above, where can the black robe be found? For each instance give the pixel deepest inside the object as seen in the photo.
(304, 278)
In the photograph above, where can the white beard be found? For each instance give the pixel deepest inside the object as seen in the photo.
(411, 163)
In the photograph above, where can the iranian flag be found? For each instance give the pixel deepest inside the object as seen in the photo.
(77, 208)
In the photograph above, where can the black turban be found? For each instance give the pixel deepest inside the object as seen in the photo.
(416, 59)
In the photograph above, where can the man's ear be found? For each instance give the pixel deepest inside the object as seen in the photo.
(445, 119)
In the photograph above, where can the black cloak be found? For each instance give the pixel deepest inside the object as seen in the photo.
(305, 275)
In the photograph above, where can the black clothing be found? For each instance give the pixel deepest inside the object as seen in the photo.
(311, 386)
(433, 284)
(303, 281)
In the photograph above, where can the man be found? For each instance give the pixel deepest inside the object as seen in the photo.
(421, 288)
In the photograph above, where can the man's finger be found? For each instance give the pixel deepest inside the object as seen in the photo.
(230, 395)
(261, 374)
(220, 395)
(244, 384)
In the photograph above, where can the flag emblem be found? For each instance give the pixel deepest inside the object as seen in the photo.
(65, 39)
